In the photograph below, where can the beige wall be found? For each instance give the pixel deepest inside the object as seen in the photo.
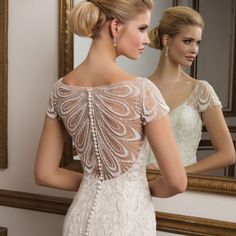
(33, 68)
(33, 53)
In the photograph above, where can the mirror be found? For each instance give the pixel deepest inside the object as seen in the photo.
(68, 59)
(3, 82)
(212, 53)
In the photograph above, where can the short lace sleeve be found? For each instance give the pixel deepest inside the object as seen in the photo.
(153, 105)
(207, 97)
(51, 110)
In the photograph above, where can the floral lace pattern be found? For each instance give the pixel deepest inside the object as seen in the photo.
(112, 117)
(124, 205)
(186, 121)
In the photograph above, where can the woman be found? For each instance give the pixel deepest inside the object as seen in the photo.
(192, 102)
(109, 113)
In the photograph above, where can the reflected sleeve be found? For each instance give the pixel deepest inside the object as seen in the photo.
(153, 103)
(207, 97)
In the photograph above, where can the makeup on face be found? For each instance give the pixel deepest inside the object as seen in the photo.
(134, 37)
(185, 45)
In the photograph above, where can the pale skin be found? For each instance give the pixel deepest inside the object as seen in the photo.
(131, 40)
(176, 86)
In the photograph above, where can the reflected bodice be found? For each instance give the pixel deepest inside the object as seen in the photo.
(186, 121)
(186, 124)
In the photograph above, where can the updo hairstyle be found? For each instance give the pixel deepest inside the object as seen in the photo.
(88, 17)
(171, 23)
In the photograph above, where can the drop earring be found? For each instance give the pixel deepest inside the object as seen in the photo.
(166, 51)
(114, 42)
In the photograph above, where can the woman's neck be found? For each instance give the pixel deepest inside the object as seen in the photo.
(167, 71)
(102, 51)
(100, 64)
(101, 58)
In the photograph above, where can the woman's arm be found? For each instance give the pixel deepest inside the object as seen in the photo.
(173, 179)
(47, 170)
(219, 135)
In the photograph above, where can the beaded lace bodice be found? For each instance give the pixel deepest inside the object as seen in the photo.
(106, 124)
(111, 117)
(186, 121)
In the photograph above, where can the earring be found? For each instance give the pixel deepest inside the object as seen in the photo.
(114, 41)
(166, 51)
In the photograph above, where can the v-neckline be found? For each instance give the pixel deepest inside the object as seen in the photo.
(184, 102)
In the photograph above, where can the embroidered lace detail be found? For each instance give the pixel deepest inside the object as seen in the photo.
(118, 111)
(123, 206)
(187, 124)
(106, 125)
(203, 97)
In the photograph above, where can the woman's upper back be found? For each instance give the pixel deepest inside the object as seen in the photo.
(108, 119)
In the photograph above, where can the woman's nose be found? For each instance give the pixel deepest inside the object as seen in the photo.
(147, 40)
(195, 48)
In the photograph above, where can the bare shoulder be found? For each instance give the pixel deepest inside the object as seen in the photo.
(72, 77)
(82, 76)
(189, 81)
(119, 75)
(152, 77)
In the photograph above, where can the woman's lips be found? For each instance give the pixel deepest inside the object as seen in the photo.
(190, 58)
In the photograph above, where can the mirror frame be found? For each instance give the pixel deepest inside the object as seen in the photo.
(3, 82)
(196, 182)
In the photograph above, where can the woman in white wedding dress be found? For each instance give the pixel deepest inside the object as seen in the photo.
(109, 114)
(192, 102)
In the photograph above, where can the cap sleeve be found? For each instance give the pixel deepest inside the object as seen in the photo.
(51, 108)
(153, 104)
(207, 97)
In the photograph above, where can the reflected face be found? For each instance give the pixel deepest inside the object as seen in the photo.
(184, 47)
(132, 36)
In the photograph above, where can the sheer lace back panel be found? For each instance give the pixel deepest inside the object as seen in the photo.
(115, 132)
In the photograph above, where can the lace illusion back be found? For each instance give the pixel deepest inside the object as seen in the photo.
(106, 125)
(187, 124)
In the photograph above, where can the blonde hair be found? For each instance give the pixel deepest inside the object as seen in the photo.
(173, 19)
(87, 17)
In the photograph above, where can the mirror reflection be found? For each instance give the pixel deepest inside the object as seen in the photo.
(213, 67)
(193, 103)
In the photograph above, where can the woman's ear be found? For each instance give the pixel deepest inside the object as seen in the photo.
(114, 27)
(165, 40)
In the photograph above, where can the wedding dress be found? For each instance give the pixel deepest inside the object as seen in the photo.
(187, 124)
(106, 124)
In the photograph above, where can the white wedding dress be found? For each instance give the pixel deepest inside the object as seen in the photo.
(106, 124)
(187, 124)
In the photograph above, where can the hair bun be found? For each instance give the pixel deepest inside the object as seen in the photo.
(86, 19)
(154, 38)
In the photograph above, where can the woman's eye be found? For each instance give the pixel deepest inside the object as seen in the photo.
(187, 41)
(142, 29)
